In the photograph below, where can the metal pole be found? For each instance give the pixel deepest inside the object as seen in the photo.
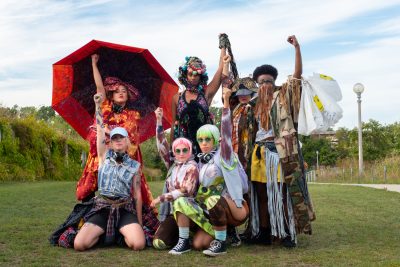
(351, 174)
(384, 173)
(360, 148)
(317, 160)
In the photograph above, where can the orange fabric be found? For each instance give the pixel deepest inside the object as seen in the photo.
(128, 119)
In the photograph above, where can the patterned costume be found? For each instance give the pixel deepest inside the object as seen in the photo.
(182, 182)
(127, 119)
(87, 184)
(277, 162)
(190, 117)
(220, 176)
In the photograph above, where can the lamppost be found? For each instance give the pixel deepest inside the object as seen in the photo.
(317, 160)
(358, 88)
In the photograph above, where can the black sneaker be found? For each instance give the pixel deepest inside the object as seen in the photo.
(287, 242)
(181, 247)
(217, 247)
(234, 237)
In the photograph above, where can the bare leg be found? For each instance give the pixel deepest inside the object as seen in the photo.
(134, 236)
(182, 220)
(239, 214)
(87, 237)
(201, 240)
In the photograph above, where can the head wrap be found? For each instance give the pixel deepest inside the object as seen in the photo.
(193, 65)
(111, 84)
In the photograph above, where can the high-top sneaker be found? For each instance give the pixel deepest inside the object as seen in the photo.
(182, 246)
(217, 247)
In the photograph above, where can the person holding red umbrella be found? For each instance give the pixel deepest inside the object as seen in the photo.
(116, 113)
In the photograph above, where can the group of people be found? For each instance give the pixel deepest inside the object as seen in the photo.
(251, 170)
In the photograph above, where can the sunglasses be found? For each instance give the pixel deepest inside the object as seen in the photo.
(266, 82)
(181, 151)
(201, 140)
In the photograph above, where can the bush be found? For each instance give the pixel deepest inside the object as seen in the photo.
(32, 150)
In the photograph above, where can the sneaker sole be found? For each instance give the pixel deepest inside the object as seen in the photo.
(172, 252)
(212, 254)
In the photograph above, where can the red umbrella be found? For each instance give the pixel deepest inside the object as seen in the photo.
(74, 87)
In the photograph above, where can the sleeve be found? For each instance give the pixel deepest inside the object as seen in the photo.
(187, 188)
(163, 146)
(226, 135)
(294, 89)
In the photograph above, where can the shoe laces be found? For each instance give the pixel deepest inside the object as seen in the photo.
(215, 244)
(180, 245)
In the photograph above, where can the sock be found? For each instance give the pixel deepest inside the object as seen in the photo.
(184, 232)
(220, 235)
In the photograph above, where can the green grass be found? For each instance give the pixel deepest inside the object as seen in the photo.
(354, 227)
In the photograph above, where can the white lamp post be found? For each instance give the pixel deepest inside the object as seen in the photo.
(358, 88)
(317, 160)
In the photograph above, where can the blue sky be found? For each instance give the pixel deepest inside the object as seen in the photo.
(352, 41)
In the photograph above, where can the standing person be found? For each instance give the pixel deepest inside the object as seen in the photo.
(190, 108)
(242, 119)
(219, 201)
(182, 181)
(114, 207)
(281, 197)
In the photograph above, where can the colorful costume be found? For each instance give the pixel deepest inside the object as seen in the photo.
(127, 119)
(190, 117)
(221, 175)
(87, 184)
(277, 165)
(181, 183)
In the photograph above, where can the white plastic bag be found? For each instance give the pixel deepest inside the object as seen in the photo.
(310, 117)
(318, 107)
(327, 84)
(328, 92)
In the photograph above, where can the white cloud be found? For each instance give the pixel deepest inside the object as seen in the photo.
(35, 34)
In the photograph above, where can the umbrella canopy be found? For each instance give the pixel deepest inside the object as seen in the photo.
(74, 86)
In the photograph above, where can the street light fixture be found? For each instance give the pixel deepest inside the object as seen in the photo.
(358, 88)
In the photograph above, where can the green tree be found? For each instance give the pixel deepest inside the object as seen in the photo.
(45, 113)
(310, 146)
(375, 140)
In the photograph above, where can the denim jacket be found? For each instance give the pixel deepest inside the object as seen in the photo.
(115, 179)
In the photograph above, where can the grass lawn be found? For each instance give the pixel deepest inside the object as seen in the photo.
(355, 227)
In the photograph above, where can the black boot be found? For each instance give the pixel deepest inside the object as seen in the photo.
(287, 242)
(262, 238)
(233, 236)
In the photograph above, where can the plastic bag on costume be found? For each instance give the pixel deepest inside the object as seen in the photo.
(319, 96)
(328, 91)
(310, 116)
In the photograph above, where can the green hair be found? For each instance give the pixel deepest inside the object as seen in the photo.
(209, 130)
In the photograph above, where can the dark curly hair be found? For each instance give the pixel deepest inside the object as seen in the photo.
(265, 69)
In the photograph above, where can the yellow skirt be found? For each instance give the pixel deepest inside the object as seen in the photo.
(258, 166)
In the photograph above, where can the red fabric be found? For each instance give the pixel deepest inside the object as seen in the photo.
(73, 100)
(128, 119)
